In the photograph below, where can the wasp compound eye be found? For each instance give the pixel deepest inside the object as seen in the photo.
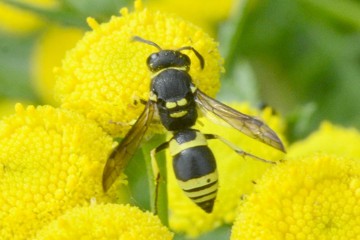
(151, 62)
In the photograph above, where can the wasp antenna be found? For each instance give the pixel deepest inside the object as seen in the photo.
(198, 55)
(139, 39)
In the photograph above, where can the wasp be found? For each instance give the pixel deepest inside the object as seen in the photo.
(175, 100)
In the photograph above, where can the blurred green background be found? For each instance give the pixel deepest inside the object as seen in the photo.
(301, 57)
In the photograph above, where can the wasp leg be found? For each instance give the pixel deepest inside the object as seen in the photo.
(137, 100)
(156, 172)
(236, 148)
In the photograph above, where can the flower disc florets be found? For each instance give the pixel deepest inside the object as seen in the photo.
(50, 160)
(316, 197)
(105, 221)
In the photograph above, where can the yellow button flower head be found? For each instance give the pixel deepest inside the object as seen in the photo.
(50, 160)
(16, 20)
(6, 107)
(48, 54)
(329, 139)
(106, 72)
(236, 174)
(106, 221)
(205, 13)
(317, 197)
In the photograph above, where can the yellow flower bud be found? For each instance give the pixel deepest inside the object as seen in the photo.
(330, 139)
(107, 221)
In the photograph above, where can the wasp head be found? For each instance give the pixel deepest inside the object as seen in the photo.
(169, 58)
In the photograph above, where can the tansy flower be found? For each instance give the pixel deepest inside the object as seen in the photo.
(329, 139)
(109, 221)
(50, 160)
(316, 197)
(6, 107)
(206, 14)
(236, 174)
(47, 54)
(106, 74)
(16, 20)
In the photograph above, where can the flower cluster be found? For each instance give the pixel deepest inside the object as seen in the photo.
(51, 163)
(52, 159)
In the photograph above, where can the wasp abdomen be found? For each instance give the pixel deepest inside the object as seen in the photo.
(195, 167)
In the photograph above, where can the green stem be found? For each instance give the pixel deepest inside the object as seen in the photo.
(237, 23)
(161, 206)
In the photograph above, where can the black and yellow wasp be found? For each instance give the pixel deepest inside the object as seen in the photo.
(175, 99)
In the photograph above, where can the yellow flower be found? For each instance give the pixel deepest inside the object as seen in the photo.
(206, 14)
(16, 20)
(47, 54)
(329, 139)
(6, 107)
(106, 221)
(106, 72)
(50, 160)
(236, 175)
(316, 197)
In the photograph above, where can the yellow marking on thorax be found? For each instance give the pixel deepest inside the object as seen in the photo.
(170, 105)
(193, 89)
(176, 148)
(176, 68)
(178, 114)
(182, 102)
(153, 96)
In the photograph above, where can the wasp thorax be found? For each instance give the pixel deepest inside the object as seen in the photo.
(168, 59)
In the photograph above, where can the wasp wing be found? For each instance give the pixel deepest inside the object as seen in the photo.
(127, 148)
(248, 125)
